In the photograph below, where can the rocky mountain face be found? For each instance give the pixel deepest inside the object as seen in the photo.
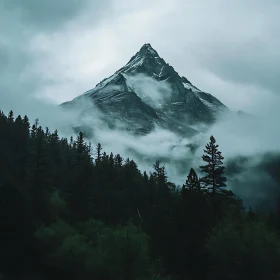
(147, 92)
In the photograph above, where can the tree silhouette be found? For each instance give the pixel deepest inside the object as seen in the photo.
(192, 182)
(214, 169)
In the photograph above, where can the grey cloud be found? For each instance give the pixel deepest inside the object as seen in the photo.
(11, 66)
(44, 14)
(249, 145)
(4, 59)
(20, 22)
(243, 43)
(252, 63)
(256, 178)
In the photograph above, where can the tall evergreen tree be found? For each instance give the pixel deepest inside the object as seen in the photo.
(192, 182)
(214, 179)
(98, 153)
(160, 176)
(11, 116)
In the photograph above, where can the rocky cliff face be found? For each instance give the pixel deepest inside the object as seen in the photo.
(147, 92)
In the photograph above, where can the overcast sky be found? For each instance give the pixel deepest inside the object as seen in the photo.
(56, 50)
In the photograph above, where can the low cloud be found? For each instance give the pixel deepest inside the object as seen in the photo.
(250, 145)
(151, 91)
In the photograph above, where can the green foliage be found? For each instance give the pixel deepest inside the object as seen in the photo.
(126, 250)
(97, 251)
(57, 205)
(244, 250)
(66, 251)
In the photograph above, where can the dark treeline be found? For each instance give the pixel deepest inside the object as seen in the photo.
(72, 211)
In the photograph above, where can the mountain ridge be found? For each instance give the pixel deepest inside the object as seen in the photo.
(165, 99)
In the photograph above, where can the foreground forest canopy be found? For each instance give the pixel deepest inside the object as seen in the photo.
(72, 211)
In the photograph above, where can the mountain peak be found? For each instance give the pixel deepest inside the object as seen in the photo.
(147, 93)
(146, 61)
(147, 46)
(147, 49)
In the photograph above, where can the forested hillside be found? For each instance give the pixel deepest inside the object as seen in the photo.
(69, 210)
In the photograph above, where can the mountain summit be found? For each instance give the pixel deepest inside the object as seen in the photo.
(148, 92)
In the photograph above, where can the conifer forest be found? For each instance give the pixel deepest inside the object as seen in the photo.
(70, 210)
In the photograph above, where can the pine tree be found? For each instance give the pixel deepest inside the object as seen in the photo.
(192, 182)
(111, 161)
(80, 144)
(118, 161)
(214, 169)
(98, 153)
(163, 189)
(160, 175)
(26, 122)
(11, 116)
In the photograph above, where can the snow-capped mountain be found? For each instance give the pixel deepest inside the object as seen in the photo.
(148, 92)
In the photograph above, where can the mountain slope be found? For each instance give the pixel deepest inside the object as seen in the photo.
(148, 92)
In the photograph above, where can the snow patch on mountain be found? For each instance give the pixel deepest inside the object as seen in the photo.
(138, 61)
(208, 104)
(191, 87)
